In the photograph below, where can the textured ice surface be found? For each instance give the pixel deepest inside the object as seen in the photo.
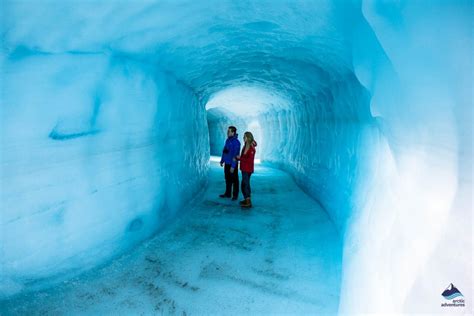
(104, 125)
(217, 259)
(92, 168)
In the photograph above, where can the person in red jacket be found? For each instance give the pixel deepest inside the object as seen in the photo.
(246, 158)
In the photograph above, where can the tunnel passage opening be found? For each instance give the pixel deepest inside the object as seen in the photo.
(241, 106)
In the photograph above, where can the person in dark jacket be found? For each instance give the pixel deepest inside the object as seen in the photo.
(228, 160)
(246, 167)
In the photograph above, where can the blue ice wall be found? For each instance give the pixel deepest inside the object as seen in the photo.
(322, 148)
(94, 147)
(411, 201)
(378, 128)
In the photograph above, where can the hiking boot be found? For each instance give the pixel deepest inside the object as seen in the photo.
(234, 198)
(247, 203)
(224, 196)
(243, 202)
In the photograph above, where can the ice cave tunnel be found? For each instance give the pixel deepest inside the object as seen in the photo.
(111, 110)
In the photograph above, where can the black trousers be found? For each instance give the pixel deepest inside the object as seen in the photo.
(246, 184)
(231, 180)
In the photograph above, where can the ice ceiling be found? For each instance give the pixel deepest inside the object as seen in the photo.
(103, 104)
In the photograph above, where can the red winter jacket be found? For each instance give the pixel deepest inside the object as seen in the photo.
(246, 159)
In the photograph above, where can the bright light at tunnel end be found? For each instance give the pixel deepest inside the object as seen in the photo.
(248, 100)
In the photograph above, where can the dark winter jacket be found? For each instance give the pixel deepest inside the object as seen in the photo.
(247, 158)
(231, 150)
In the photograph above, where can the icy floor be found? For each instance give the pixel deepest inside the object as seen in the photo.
(282, 256)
